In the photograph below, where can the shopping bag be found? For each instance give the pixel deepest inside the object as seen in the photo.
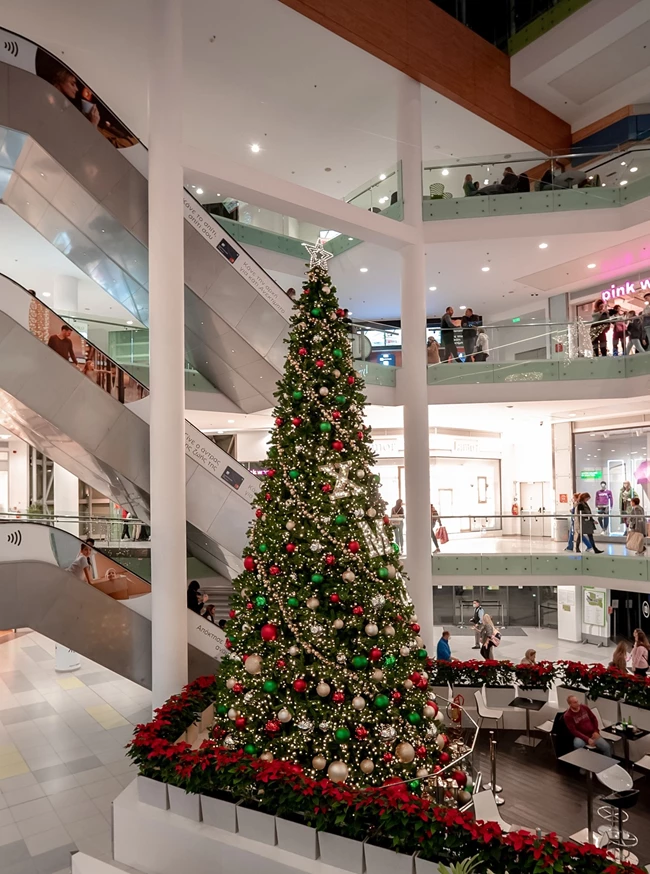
(635, 540)
(441, 534)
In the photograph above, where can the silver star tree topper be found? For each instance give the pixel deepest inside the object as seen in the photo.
(318, 256)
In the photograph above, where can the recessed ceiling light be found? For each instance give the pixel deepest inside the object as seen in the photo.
(543, 245)
(231, 421)
(383, 199)
(255, 148)
(363, 269)
(445, 172)
(432, 287)
(350, 238)
(633, 169)
(382, 176)
(47, 294)
(218, 432)
(463, 307)
(623, 181)
(486, 182)
(485, 269)
(129, 322)
(623, 163)
(591, 266)
(192, 186)
(590, 178)
(199, 191)
(603, 184)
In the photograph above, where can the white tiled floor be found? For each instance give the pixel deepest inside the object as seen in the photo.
(62, 758)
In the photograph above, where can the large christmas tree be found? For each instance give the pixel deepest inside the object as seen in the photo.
(327, 665)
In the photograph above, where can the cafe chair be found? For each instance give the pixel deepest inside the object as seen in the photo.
(485, 712)
(486, 810)
(616, 779)
(621, 841)
(437, 191)
(606, 735)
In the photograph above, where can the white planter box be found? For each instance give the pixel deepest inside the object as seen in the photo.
(256, 825)
(382, 861)
(607, 707)
(184, 803)
(341, 852)
(192, 733)
(207, 718)
(640, 717)
(533, 694)
(153, 792)
(563, 692)
(219, 813)
(499, 696)
(424, 867)
(297, 838)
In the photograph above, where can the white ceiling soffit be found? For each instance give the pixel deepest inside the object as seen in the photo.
(591, 64)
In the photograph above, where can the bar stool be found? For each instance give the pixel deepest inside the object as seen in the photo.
(622, 841)
(616, 779)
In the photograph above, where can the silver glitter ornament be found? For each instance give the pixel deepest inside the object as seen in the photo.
(387, 732)
(230, 741)
(316, 546)
(378, 601)
(305, 725)
(324, 726)
(316, 629)
(341, 658)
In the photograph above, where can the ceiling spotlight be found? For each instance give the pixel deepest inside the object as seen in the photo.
(543, 245)
(219, 432)
(486, 182)
(363, 269)
(432, 287)
(633, 169)
(485, 269)
(130, 322)
(383, 199)
(231, 421)
(445, 172)
(623, 181)
(192, 186)
(603, 184)
(47, 294)
(199, 191)
(382, 176)
(255, 148)
(623, 163)
(463, 307)
(590, 178)
(591, 266)
(350, 238)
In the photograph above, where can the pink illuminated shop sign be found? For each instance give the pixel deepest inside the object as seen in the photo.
(625, 290)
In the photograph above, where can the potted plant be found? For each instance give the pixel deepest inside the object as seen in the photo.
(536, 680)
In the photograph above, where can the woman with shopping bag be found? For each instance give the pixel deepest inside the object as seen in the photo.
(636, 528)
(439, 534)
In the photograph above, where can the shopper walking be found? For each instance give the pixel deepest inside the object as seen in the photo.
(585, 523)
(397, 523)
(619, 327)
(435, 520)
(443, 650)
(489, 637)
(433, 351)
(639, 660)
(573, 525)
(636, 529)
(619, 657)
(604, 503)
(645, 317)
(477, 623)
(634, 333)
(468, 324)
(482, 348)
(447, 325)
(599, 329)
(625, 501)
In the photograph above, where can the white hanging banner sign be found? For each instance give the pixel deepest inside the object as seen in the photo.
(237, 257)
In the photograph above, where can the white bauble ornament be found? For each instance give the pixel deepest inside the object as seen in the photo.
(391, 571)
(253, 664)
(323, 689)
(388, 631)
(371, 512)
(316, 546)
(337, 772)
(404, 651)
(371, 629)
(284, 715)
(408, 684)
(323, 391)
(361, 473)
(293, 650)
(317, 338)
(327, 289)
(377, 675)
(358, 702)
(318, 762)
(338, 624)
(244, 594)
(421, 773)
(428, 712)
(267, 756)
(349, 576)
(290, 525)
(405, 752)
(432, 730)
(358, 513)
(441, 741)
(230, 682)
(424, 675)
(367, 766)
(232, 713)
(313, 603)
(336, 373)
(464, 796)
(419, 641)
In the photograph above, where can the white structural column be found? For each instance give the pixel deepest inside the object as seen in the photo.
(66, 498)
(412, 377)
(166, 333)
(66, 294)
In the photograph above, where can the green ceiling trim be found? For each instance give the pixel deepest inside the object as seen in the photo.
(543, 23)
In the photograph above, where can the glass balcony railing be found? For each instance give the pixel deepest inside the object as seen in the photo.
(382, 194)
(532, 182)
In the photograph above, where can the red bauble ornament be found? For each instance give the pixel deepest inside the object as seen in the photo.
(350, 380)
(436, 769)
(279, 421)
(240, 722)
(361, 732)
(320, 362)
(299, 685)
(354, 546)
(387, 757)
(461, 778)
(228, 643)
(326, 487)
(273, 726)
(302, 351)
(337, 446)
(268, 632)
(270, 473)
(415, 628)
(330, 559)
(399, 618)
(267, 496)
(386, 520)
(338, 697)
(340, 313)
(415, 677)
(238, 688)
(423, 684)
(274, 570)
(249, 561)
(290, 547)
(249, 606)
(444, 758)
(296, 421)
(396, 696)
(336, 414)
(232, 613)
(421, 752)
(280, 663)
(360, 435)
(357, 610)
(434, 705)
(374, 654)
(259, 513)
(334, 598)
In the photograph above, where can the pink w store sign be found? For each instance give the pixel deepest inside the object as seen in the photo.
(643, 285)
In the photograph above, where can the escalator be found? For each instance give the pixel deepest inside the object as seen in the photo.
(108, 621)
(84, 416)
(75, 173)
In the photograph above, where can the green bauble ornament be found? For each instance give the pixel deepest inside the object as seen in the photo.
(341, 399)
(342, 735)
(414, 718)
(296, 395)
(222, 709)
(414, 784)
(293, 602)
(395, 547)
(316, 312)
(270, 686)
(273, 452)
(376, 478)
(422, 653)
(383, 573)
(262, 547)
(338, 353)
(381, 702)
(325, 426)
(341, 519)
(250, 749)
(317, 578)
(389, 661)
(359, 662)
(294, 474)
(260, 601)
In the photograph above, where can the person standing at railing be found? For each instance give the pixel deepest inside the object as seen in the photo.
(604, 503)
(397, 523)
(62, 344)
(599, 329)
(634, 333)
(482, 348)
(619, 327)
(645, 316)
(636, 530)
(433, 351)
(80, 567)
(468, 324)
(447, 325)
(468, 186)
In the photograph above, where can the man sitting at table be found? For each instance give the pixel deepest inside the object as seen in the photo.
(583, 725)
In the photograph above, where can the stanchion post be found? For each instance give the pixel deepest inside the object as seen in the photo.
(494, 786)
